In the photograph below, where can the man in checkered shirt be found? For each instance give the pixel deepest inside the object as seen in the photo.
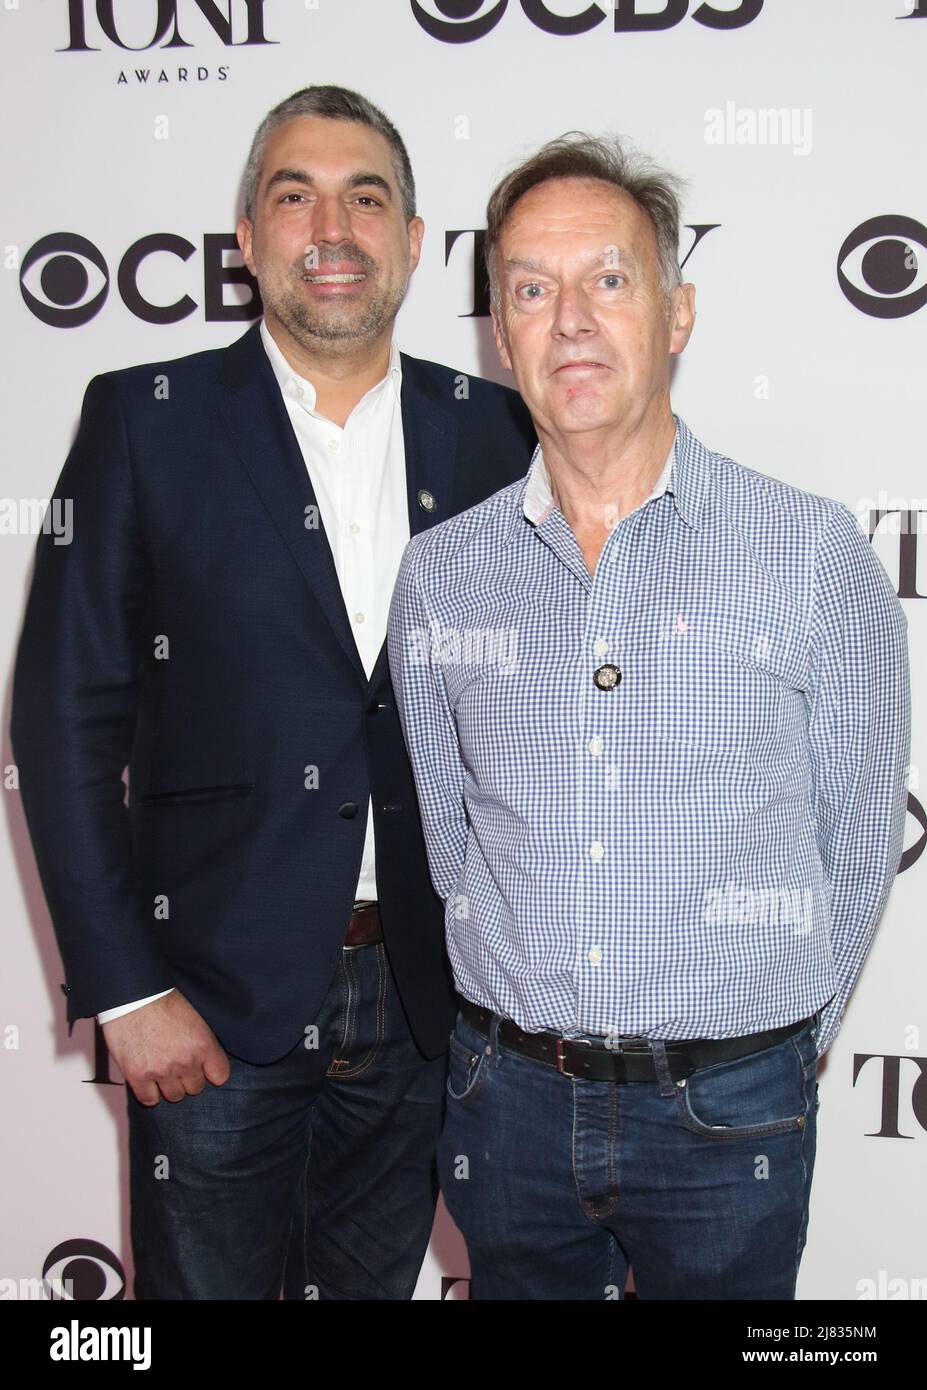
(657, 706)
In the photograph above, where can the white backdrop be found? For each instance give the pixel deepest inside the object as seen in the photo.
(796, 123)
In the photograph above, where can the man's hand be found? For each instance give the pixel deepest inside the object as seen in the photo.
(166, 1044)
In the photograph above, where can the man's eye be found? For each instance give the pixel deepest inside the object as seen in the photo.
(366, 198)
(528, 291)
(614, 281)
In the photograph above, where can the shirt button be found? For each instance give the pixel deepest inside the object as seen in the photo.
(601, 647)
(358, 617)
(595, 956)
(355, 529)
(596, 850)
(595, 746)
(300, 392)
(334, 445)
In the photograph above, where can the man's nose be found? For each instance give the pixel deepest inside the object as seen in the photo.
(573, 316)
(331, 221)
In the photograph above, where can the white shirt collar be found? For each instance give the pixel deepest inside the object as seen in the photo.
(301, 390)
(539, 498)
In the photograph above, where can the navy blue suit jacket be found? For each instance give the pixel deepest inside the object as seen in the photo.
(194, 631)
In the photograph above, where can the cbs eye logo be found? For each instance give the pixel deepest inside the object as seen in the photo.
(84, 1271)
(880, 270)
(459, 21)
(914, 851)
(64, 280)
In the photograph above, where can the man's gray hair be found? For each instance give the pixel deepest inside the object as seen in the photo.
(577, 155)
(335, 104)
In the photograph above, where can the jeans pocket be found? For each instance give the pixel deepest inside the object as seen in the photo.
(764, 1093)
(466, 1068)
(815, 1098)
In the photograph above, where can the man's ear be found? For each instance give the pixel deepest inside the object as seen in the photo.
(245, 234)
(682, 316)
(499, 336)
(416, 234)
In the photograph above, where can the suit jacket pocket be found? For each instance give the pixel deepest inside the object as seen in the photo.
(194, 795)
(191, 852)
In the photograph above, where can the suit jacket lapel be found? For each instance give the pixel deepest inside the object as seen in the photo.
(429, 432)
(429, 428)
(264, 439)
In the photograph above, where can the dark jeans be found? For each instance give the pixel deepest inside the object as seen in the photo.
(315, 1172)
(702, 1186)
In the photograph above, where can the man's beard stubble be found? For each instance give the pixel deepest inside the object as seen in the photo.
(332, 322)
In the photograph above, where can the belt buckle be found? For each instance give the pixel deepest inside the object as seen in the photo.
(361, 906)
(580, 1042)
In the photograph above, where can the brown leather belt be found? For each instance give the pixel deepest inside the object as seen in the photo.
(364, 928)
(622, 1058)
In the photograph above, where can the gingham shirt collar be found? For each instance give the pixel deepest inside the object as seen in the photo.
(683, 477)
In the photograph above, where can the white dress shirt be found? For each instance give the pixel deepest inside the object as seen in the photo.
(358, 475)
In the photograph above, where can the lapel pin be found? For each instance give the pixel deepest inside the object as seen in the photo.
(606, 677)
(426, 500)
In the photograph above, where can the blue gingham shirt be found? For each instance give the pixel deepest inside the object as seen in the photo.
(705, 849)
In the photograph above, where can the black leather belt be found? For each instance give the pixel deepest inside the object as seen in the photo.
(622, 1058)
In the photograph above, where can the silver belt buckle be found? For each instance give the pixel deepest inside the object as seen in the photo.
(574, 1042)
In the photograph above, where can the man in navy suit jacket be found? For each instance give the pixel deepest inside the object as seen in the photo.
(254, 923)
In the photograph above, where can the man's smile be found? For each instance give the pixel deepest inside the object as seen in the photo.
(338, 277)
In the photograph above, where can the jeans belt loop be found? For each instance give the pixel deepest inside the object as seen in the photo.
(664, 1075)
(493, 1048)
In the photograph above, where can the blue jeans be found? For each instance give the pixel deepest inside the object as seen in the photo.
(558, 1185)
(315, 1172)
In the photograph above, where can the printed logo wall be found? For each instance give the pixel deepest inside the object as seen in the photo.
(797, 128)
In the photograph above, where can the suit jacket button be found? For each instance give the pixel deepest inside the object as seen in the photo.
(348, 810)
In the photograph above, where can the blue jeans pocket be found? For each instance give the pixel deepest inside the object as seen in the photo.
(765, 1093)
(467, 1062)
